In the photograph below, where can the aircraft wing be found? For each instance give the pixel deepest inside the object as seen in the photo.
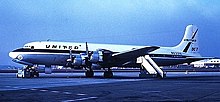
(134, 53)
(198, 58)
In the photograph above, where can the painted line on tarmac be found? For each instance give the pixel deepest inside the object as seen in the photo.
(43, 90)
(23, 88)
(80, 99)
(81, 94)
(151, 91)
(33, 89)
(8, 86)
(13, 88)
(16, 87)
(68, 93)
(55, 91)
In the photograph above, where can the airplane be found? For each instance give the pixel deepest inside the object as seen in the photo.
(96, 56)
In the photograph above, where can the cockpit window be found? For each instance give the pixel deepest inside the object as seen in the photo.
(27, 46)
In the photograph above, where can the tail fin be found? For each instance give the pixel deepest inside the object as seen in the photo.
(189, 43)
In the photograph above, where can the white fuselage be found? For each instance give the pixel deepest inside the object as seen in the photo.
(107, 55)
(56, 53)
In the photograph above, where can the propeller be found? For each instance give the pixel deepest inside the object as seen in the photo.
(87, 50)
(87, 60)
(71, 57)
(70, 60)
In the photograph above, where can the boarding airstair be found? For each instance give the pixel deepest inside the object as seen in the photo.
(150, 66)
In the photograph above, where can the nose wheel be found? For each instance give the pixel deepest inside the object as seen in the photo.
(28, 72)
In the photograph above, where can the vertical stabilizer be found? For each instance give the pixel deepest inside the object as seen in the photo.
(189, 43)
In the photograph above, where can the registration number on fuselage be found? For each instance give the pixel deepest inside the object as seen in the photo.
(176, 53)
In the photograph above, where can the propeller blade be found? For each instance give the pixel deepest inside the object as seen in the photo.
(87, 50)
(71, 57)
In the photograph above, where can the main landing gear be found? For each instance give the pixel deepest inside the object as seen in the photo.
(89, 73)
(108, 73)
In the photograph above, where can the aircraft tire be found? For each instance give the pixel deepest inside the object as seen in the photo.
(37, 74)
(108, 74)
(31, 74)
(89, 74)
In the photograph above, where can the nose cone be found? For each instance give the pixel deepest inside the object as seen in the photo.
(13, 54)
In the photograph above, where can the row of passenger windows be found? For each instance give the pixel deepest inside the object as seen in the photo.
(161, 55)
(214, 61)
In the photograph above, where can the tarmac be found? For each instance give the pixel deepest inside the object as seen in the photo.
(124, 86)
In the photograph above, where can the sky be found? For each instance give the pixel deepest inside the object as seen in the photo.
(133, 22)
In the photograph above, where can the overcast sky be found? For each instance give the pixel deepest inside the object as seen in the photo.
(135, 22)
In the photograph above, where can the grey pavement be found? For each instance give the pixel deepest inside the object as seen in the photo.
(68, 87)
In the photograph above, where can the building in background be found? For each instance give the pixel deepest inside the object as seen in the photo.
(207, 63)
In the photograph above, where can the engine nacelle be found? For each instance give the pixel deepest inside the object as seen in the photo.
(83, 59)
(96, 66)
(94, 58)
(97, 56)
(77, 61)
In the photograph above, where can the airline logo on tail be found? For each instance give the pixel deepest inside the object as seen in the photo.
(190, 42)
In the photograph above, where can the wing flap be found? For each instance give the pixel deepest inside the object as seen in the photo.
(134, 53)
